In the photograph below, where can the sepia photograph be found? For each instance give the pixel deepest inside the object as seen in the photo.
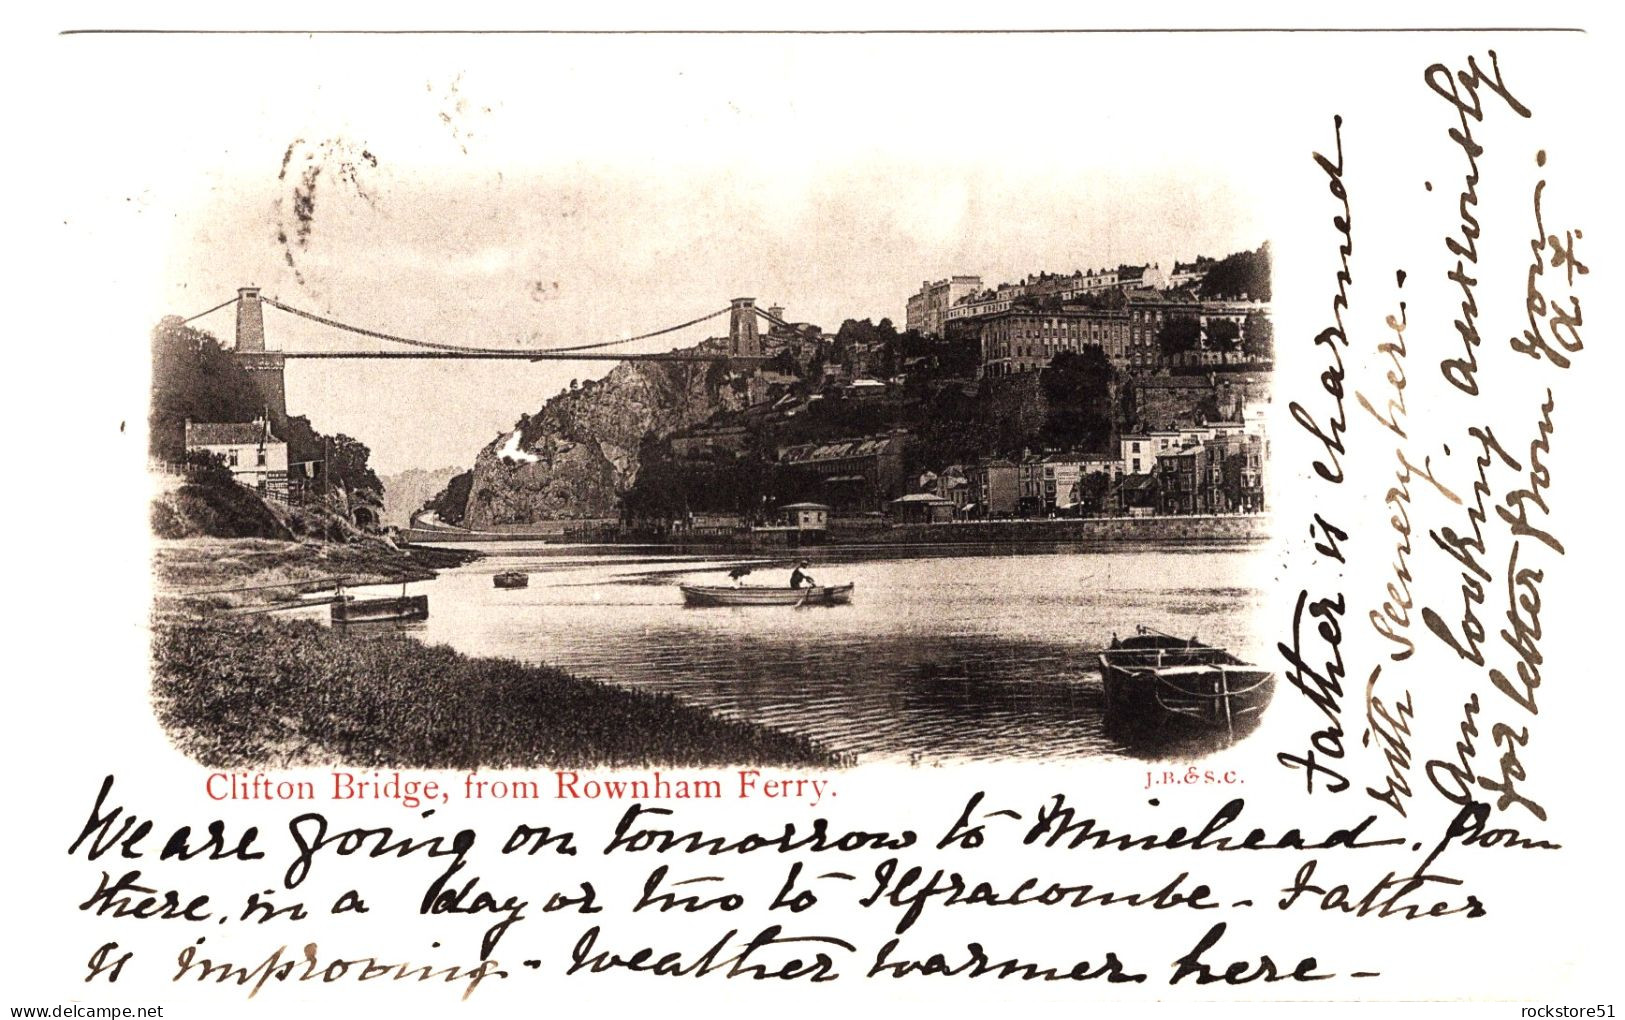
(485, 461)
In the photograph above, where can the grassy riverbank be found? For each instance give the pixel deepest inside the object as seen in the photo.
(255, 691)
(241, 692)
(267, 570)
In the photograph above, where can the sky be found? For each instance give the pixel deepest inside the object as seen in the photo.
(534, 191)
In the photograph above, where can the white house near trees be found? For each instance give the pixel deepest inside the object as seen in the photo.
(253, 454)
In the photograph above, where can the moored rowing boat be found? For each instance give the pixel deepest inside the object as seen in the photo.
(1155, 682)
(404, 608)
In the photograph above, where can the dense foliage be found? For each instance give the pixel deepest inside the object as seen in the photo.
(452, 501)
(1223, 335)
(193, 376)
(213, 508)
(1179, 334)
(1245, 274)
(1077, 395)
(1259, 337)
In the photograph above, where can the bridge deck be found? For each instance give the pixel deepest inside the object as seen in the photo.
(518, 356)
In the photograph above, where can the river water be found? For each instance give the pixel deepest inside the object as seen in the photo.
(947, 653)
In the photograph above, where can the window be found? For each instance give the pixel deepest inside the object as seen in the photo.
(231, 457)
(260, 459)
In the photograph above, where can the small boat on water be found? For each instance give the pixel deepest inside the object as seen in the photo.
(403, 608)
(749, 595)
(511, 579)
(1156, 682)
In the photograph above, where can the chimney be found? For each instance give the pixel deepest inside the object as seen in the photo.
(250, 320)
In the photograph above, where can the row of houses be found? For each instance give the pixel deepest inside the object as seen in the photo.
(1213, 467)
(1027, 339)
(941, 302)
(1224, 474)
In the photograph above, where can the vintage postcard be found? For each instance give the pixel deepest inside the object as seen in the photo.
(800, 520)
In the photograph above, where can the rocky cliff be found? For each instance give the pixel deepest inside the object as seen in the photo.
(573, 458)
(406, 492)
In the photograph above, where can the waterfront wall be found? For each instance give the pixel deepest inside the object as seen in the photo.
(1106, 530)
(546, 531)
(1198, 528)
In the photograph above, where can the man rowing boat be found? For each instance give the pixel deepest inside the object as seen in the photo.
(799, 576)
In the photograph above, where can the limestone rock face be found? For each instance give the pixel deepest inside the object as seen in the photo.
(406, 492)
(573, 458)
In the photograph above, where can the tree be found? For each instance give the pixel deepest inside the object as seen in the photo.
(1077, 394)
(347, 466)
(958, 359)
(205, 468)
(452, 501)
(193, 377)
(863, 331)
(1258, 337)
(1092, 490)
(1245, 274)
(1223, 334)
(1179, 333)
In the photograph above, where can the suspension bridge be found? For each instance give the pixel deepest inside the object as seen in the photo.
(266, 366)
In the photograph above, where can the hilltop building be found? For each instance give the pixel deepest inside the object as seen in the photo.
(927, 311)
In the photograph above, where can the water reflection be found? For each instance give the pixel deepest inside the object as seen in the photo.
(963, 653)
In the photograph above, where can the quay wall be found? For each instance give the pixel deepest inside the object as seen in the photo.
(1185, 528)
(1105, 530)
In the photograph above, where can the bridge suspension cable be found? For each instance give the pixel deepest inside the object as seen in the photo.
(463, 349)
(216, 308)
(775, 320)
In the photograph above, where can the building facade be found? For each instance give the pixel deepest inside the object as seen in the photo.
(710, 443)
(1054, 482)
(995, 488)
(927, 311)
(852, 475)
(1150, 311)
(1027, 340)
(254, 456)
(1183, 481)
(1238, 473)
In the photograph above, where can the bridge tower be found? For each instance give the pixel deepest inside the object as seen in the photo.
(263, 366)
(742, 328)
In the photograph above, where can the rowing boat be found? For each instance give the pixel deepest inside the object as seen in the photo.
(511, 579)
(750, 595)
(350, 609)
(406, 607)
(1156, 682)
